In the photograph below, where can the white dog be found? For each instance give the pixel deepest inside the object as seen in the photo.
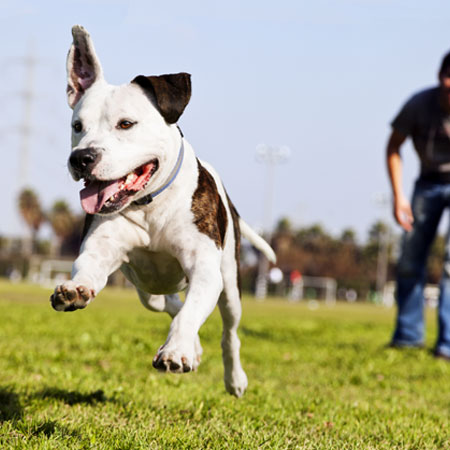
(154, 210)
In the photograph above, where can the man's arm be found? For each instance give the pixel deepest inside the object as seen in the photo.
(402, 208)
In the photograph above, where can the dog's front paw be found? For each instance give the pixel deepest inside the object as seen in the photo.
(171, 359)
(69, 297)
(236, 382)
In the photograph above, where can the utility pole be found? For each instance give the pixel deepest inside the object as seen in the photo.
(271, 156)
(384, 239)
(25, 128)
(382, 261)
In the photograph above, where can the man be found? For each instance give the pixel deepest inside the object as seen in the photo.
(426, 119)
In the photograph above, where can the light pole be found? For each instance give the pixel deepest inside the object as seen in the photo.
(271, 156)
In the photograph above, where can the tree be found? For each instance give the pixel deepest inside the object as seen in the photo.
(314, 252)
(62, 222)
(314, 238)
(31, 211)
(283, 226)
(348, 236)
(377, 231)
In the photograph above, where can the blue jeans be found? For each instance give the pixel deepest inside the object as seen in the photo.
(428, 204)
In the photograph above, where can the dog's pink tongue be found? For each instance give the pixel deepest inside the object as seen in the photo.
(95, 194)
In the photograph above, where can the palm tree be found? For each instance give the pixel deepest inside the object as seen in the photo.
(63, 223)
(377, 231)
(283, 226)
(31, 211)
(348, 236)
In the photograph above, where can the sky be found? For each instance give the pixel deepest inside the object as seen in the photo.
(323, 78)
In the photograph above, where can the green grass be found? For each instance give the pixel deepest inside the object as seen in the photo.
(318, 379)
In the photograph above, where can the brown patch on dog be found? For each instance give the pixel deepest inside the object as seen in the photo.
(210, 215)
(237, 240)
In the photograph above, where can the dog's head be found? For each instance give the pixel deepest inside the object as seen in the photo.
(124, 138)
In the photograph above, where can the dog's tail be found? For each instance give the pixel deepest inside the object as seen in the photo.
(256, 240)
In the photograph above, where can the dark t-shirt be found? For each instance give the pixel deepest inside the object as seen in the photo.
(428, 125)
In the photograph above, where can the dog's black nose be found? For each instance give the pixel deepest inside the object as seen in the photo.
(84, 160)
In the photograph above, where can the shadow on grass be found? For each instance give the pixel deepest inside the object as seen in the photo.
(46, 428)
(11, 410)
(73, 397)
(10, 407)
(50, 428)
(261, 334)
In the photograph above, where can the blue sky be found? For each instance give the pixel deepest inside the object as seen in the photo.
(323, 78)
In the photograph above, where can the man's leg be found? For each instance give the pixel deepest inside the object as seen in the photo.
(427, 208)
(443, 340)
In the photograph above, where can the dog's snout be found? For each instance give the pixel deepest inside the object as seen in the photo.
(84, 160)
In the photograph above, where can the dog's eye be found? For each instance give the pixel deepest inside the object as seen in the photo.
(125, 124)
(77, 126)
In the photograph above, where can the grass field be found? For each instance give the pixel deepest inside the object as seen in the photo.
(318, 379)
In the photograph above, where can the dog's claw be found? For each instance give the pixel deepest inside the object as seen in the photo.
(165, 363)
(186, 366)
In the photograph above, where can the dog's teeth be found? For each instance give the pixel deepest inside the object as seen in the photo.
(129, 178)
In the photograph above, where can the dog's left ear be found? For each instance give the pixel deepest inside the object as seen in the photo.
(171, 92)
(83, 66)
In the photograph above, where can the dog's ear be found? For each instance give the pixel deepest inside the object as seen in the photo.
(83, 66)
(171, 92)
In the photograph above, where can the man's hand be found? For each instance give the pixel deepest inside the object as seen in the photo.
(402, 208)
(403, 213)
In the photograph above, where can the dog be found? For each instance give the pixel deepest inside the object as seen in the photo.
(154, 210)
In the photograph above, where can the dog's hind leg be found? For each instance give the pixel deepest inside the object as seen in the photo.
(231, 310)
(170, 304)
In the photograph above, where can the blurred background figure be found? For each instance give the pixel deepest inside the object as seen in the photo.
(425, 118)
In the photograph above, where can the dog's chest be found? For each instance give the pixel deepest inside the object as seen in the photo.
(154, 272)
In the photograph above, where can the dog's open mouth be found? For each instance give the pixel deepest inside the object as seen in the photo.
(109, 196)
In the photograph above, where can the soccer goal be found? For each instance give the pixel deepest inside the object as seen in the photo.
(319, 287)
(53, 271)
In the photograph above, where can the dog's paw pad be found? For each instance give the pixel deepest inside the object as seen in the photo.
(69, 297)
(170, 363)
